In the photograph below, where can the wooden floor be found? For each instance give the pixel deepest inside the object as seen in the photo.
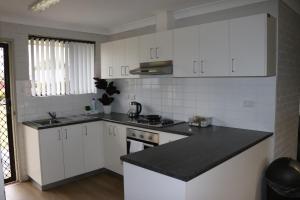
(104, 186)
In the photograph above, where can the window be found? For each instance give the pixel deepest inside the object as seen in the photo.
(60, 67)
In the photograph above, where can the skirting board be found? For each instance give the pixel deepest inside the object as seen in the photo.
(72, 179)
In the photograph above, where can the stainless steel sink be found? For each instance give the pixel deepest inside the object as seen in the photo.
(46, 122)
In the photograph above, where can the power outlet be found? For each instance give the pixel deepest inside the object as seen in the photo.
(248, 104)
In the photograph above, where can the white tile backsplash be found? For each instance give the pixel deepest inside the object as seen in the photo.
(33, 108)
(235, 102)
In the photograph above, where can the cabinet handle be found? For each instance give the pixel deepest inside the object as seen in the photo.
(59, 135)
(127, 70)
(232, 64)
(194, 66)
(110, 71)
(114, 132)
(151, 49)
(66, 134)
(85, 131)
(109, 130)
(202, 66)
(122, 67)
(156, 52)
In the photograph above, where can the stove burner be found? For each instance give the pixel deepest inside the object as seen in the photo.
(154, 120)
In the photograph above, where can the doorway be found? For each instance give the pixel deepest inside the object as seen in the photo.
(6, 134)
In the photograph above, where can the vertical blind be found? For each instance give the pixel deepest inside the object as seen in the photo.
(59, 67)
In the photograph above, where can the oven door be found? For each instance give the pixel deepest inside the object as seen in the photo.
(135, 145)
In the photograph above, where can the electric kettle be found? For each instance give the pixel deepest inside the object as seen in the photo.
(135, 108)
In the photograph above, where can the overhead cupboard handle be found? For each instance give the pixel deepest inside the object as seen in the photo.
(202, 67)
(232, 65)
(194, 66)
(122, 69)
(151, 57)
(126, 69)
(110, 71)
(156, 52)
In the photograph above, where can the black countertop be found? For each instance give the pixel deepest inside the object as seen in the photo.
(188, 158)
(119, 118)
(183, 159)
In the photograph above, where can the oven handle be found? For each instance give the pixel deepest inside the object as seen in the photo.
(146, 144)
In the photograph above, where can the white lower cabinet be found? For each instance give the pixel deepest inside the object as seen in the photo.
(169, 137)
(51, 155)
(114, 146)
(73, 150)
(93, 146)
(55, 154)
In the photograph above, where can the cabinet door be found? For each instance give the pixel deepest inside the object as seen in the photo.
(73, 150)
(132, 56)
(186, 52)
(106, 60)
(164, 46)
(109, 146)
(214, 49)
(147, 48)
(115, 146)
(248, 39)
(93, 146)
(169, 137)
(52, 160)
(118, 58)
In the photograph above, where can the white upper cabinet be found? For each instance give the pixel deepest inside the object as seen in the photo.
(252, 46)
(238, 47)
(132, 56)
(106, 60)
(118, 58)
(214, 49)
(186, 52)
(156, 47)
(164, 46)
(202, 50)
(147, 48)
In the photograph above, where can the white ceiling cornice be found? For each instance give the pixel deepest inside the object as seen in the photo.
(133, 25)
(55, 25)
(187, 12)
(212, 7)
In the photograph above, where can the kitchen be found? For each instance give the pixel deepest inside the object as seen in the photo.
(159, 69)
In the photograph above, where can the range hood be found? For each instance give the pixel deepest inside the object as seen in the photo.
(154, 68)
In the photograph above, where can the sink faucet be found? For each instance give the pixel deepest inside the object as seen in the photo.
(52, 115)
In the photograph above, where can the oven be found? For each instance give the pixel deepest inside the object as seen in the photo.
(138, 140)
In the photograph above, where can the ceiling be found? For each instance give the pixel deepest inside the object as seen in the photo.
(97, 16)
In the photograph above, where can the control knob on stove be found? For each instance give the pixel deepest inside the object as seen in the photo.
(150, 137)
(142, 136)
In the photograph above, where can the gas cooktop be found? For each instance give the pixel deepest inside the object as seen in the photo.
(154, 121)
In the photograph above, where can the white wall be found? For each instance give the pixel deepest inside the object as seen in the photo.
(224, 99)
